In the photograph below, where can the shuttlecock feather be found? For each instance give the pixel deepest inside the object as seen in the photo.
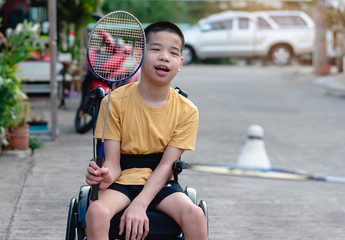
(253, 154)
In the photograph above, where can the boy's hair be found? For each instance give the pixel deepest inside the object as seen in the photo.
(164, 26)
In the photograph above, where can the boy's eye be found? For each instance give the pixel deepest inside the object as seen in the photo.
(175, 53)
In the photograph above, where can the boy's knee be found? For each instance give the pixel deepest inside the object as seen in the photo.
(97, 213)
(194, 214)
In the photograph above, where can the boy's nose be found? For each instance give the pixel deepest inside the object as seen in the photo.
(163, 57)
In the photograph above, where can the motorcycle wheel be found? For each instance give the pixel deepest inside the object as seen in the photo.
(83, 121)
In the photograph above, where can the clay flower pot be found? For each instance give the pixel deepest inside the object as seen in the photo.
(18, 137)
(323, 69)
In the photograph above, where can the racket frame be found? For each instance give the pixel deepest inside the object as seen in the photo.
(93, 32)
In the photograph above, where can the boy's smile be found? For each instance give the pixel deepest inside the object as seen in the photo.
(162, 70)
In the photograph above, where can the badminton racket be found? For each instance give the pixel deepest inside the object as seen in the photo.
(115, 52)
(269, 173)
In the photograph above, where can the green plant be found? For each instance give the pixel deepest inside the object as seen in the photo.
(13, 104)
(73, 16)
(18, 49)
(9, 104)
(34, 143)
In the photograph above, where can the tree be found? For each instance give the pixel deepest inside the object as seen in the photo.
(73, 15)
(148, 11)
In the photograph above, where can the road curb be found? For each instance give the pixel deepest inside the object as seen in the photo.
(334, 84)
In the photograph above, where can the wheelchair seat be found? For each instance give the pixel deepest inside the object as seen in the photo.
(161, 226)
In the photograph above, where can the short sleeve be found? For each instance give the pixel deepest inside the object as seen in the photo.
(112, 131)
(184, 134)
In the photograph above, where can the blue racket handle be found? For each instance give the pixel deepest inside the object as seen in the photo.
(95, 188)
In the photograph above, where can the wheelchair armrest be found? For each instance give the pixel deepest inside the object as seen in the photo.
(178, 167)
(96, 93)
(95, 97)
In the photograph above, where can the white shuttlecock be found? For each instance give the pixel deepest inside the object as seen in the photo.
(253, 154)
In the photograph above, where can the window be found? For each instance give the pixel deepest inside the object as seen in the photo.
(243, 23)
(228, 24)
(263, 24)
(216, 25)
(288, 21)
(221, 25)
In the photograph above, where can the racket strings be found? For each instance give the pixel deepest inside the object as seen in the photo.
(116, 47)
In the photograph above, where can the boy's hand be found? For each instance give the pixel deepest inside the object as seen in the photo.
(134, 222)
(95, 175)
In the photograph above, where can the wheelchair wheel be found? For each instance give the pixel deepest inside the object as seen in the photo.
(83, 204)
(71, 223)
(203, 206)
(191, 193)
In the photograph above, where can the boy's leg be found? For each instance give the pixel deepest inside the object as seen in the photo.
(100, 213)
(189, 216)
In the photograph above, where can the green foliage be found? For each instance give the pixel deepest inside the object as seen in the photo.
(74, 15)
(19, 48)
(335, 16)
(152, 11)
(8, 101)
(13, 107)
(75, 12)
(34, 143)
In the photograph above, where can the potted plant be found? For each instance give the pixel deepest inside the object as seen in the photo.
(7, 100)
(9, 106)
(18, 131)
(13, 102)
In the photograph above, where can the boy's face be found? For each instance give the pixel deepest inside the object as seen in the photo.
(163, 58)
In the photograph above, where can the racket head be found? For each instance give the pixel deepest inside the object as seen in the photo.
(116, 47)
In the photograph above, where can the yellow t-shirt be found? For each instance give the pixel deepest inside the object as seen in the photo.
(142, 129)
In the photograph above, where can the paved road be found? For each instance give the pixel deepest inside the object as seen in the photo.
(303, 127)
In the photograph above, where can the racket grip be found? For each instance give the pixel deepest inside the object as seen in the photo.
(94, 192)
(95, 188)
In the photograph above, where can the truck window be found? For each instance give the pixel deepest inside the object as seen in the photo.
(289, 21)
(243, 23)
(216, 26)
(263, 24)
(228, 24)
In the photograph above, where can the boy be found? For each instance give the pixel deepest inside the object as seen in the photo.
(149, 127)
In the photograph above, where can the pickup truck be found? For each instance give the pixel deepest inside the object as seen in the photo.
(278, 35)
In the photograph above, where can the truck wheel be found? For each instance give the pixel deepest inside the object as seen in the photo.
(281, 55)
(188, 55)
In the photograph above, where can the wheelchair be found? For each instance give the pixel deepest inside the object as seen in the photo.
(162, 226)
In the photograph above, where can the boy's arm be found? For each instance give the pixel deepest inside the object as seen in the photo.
(135, 214)
(160, 176)
(111, 169)
(112, 160)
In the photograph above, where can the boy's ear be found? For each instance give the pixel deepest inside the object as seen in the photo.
(179, 69)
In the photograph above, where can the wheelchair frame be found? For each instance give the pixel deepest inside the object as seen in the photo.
(169, 230)
(162, 226)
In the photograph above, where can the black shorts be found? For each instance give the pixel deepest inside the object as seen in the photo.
(131, 191)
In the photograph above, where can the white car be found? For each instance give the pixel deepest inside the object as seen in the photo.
(279, 35)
